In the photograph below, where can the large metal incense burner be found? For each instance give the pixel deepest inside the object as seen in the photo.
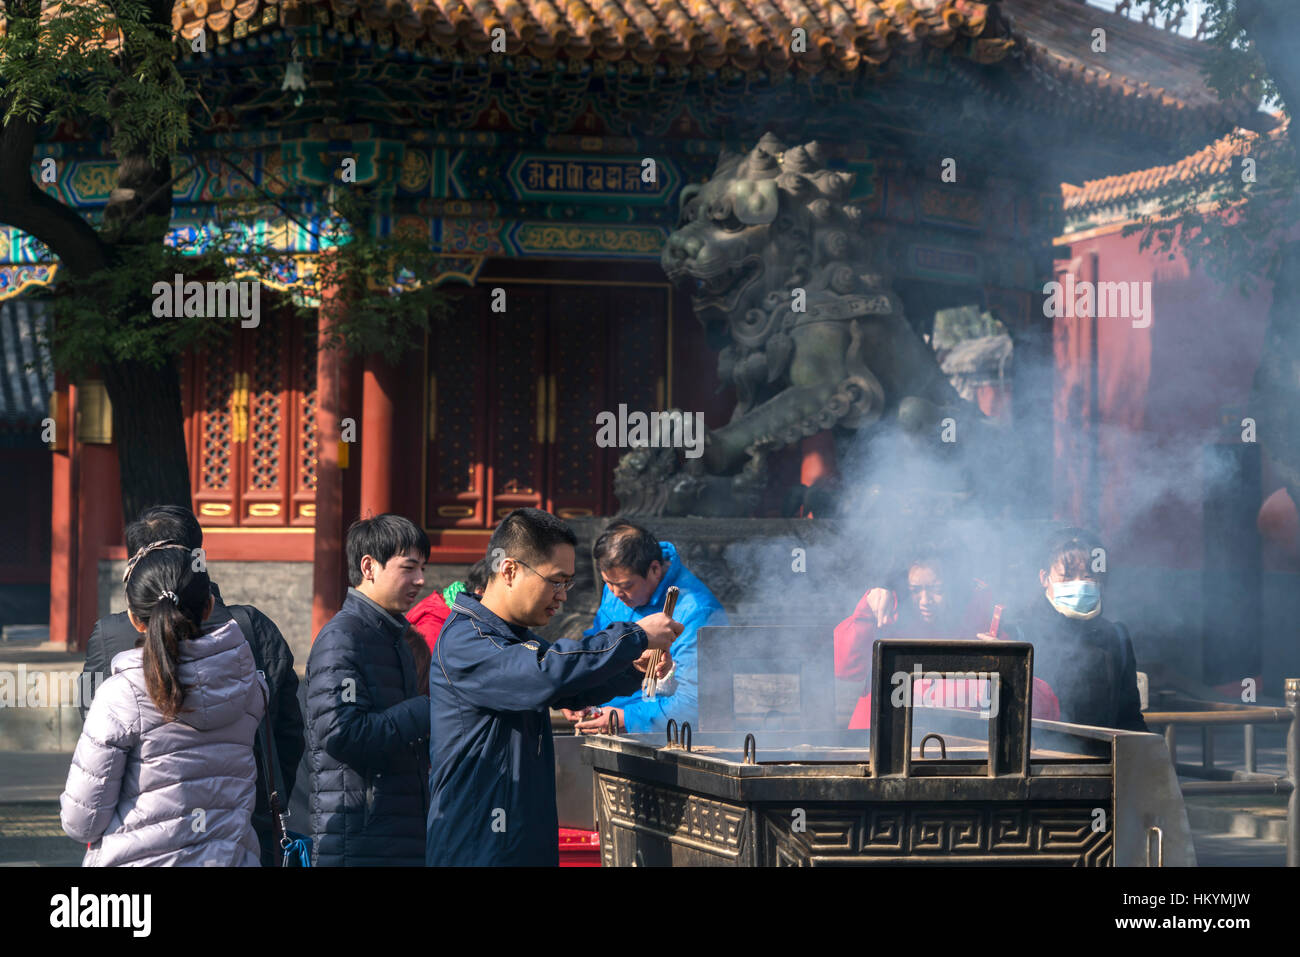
(927, 785)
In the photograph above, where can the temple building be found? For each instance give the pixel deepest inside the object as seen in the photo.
(1154, 442)
(525, 169)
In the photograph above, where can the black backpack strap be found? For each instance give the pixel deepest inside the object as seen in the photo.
(245, 622)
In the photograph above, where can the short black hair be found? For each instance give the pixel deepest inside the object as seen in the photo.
(528, 534)
(164, 523)
(382, 538)
(624, 544)
(1064, 544)
(476, 579)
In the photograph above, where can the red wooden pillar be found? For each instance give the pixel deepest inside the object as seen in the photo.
(377, 437)
(329, 563)
(99, 525)
(85, 516)
(63, 520)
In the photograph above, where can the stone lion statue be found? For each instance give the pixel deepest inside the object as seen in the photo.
(784, 275)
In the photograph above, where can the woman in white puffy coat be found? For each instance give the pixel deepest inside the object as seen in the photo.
(164, 773)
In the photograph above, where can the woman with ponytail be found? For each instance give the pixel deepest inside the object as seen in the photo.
(163, 773)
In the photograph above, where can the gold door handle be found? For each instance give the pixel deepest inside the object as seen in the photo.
(239, 408)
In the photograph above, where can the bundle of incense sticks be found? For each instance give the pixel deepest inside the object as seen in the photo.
(650, 686)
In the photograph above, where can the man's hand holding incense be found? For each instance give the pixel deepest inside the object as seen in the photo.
(665, 662)
(661, 631)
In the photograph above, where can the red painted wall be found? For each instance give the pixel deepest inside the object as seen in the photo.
(1161, 393)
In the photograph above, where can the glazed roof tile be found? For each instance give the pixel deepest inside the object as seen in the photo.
(1214, 160)
(746, 34)
(1147, 72)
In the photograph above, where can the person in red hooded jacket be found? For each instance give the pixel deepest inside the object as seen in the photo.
(431, 611)
(936, 602)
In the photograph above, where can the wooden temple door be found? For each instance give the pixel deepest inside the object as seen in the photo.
(513, 397)
(250, 426)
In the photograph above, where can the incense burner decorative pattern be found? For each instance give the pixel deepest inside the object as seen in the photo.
(1080, 796)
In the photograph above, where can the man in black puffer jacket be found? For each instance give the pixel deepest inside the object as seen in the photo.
(368, 727)
(114, 634)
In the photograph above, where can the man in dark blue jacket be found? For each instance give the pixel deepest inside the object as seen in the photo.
(367, 725)
(491, 683)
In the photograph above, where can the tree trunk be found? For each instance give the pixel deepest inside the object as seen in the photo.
(1273, 28)
(1275, 401)
(148, 424)
(149, 430)
(147, 420)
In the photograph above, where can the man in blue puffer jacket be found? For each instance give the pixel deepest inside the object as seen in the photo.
(367, 726)
(638, 570)
(491, 683)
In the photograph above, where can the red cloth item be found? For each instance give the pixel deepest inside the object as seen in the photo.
(877, 616)
(427, 617)
(579, 848)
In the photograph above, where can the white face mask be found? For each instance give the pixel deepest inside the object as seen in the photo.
(1076, 599)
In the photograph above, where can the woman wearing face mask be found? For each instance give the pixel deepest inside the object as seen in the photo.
(1087, 659)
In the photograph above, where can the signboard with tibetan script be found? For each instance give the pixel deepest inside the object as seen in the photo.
(541, 176)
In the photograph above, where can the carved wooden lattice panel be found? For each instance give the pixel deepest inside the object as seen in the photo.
(213, 458)
(218, 382)
(641, 344)
(517, 395)
(265, 417)
(457, 423)
(251, 425)
(262, 393)
(578, 363)
(307, 443)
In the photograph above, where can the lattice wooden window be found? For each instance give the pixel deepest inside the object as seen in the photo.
(306, 444)
(513, 397)
(216, 419)
(251, 425)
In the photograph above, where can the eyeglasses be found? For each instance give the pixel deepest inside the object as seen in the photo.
(560, 588)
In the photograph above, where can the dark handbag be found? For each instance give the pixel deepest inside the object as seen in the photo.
(296, 847)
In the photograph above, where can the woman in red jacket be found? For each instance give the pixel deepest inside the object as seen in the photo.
(937, 603)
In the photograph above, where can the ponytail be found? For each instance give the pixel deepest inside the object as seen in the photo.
(169, 597)
(166, 629)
